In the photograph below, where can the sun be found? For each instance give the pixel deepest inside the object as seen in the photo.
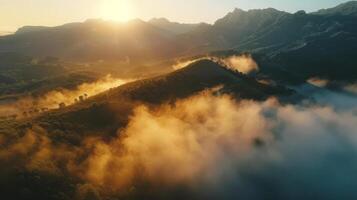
(118, 10)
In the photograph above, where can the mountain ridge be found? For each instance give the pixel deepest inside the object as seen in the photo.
(116, 105)
(264, 31)
(348, 8)
(175, 27)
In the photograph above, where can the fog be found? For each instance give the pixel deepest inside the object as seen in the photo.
(239, 149)
(352, 88)
(318, 82)
(243, 63)
(29, 105)
(215, 147)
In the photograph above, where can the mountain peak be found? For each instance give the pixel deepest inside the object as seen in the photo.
(238, 10)
(348, 4)
(136, 21)
(348, 8)
(28, 29)
(300, 12)
(263, 10)
(93, 20)
(173, 27)
(204, 67)
(239, 18)
(159, 20)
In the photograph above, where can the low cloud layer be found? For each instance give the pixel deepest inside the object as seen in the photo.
(215, 147)
(352, 88)
(243, 63)
(29, 106)
(318, 82)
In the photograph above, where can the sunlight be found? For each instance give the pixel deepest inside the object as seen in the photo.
(118, 10)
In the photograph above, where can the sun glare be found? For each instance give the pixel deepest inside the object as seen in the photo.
(118, 10)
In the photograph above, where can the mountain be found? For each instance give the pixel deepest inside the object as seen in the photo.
(203, 74)
(228, 31)
(270, 30)
(307, 44)
(92, 40)
(331, 57)
(112, 109)
(236, 26)
(311, 45)
(63, 153)
(3, 32)
(265, 30)
(304, 45)
(30, 29)
(105, 116)
(345, 9)
(174, 27)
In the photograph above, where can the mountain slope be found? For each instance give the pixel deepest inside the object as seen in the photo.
(239, 24)
(92, 40)
(293, 30)
(228, 31)
(111, 110)
(330, 58)
(203, 74)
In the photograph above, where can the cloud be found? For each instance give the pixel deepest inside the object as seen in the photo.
(215, 142)
(243, 63)
(318, 82)
(213, 147)
(29, 106)
(183, 64)
(188, 138)
(352, 88)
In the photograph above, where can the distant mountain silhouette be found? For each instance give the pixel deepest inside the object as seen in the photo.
(29, 29)
(92, 40)
(4, 32)
(174, 27)
(309, 44)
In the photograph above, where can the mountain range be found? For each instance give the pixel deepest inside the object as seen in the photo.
(51, 126)
(307, 44)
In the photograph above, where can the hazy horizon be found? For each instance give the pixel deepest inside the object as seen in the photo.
(50, 13)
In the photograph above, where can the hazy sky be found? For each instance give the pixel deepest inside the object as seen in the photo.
(17, 13)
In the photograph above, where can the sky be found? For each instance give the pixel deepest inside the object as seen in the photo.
(17, 13)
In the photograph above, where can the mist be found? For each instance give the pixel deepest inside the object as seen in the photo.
(29, 106)
(352, 88)
(243, 63)
(217, 146)
(318, 82)
(214, 147)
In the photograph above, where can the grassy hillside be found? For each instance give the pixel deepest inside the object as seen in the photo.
(109, 111)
